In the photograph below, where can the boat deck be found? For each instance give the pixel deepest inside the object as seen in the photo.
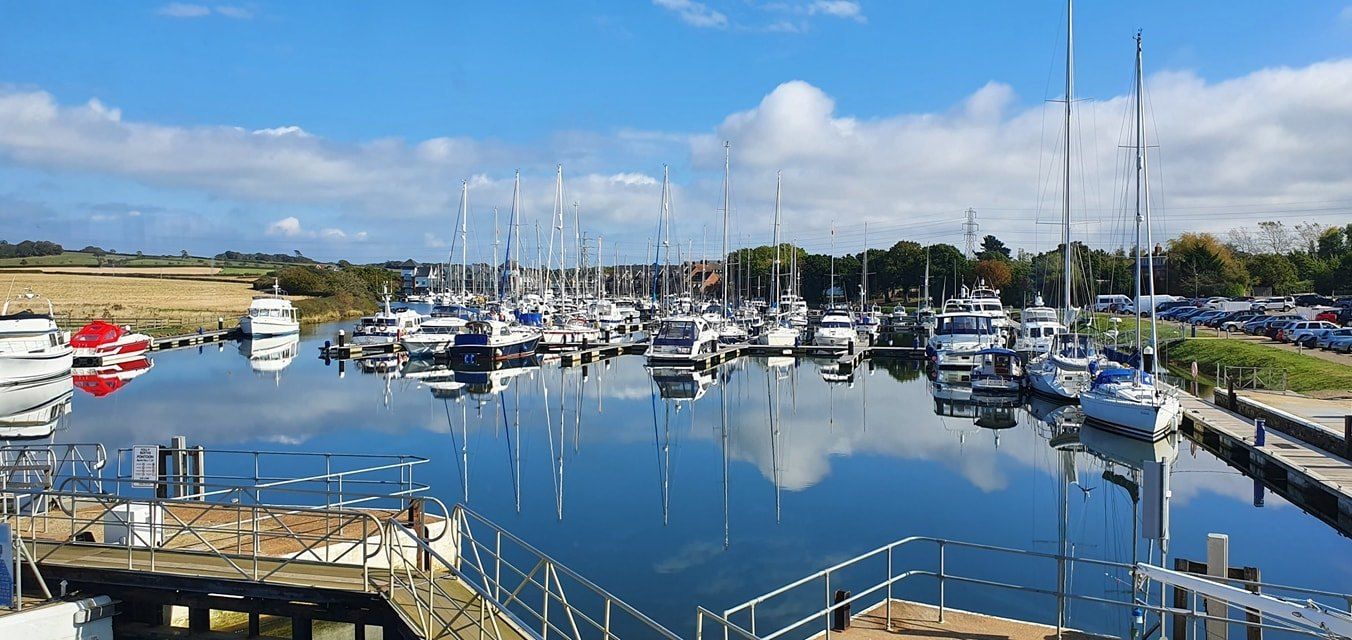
(916, 621)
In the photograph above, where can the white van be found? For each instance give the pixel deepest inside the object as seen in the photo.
(1146, 302)
(1104, 303)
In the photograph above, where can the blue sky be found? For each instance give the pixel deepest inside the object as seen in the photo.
(607, 88)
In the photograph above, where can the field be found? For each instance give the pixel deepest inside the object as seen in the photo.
(166, 304)
(128, 261)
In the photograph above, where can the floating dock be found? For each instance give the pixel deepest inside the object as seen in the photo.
(916, 621)
(348, 351)
(1318, 481)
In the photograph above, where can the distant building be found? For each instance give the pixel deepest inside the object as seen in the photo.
(422, 278)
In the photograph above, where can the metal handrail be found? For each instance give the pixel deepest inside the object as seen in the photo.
(749, 607)
(486, 564)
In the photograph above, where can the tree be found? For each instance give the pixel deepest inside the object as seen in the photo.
(1274, 236)
(140, 254)
(1205, 266)
(1272, 271)
(183, 253)
(996, 273)
(993, 249)
(1332, 243)
(1308, 234)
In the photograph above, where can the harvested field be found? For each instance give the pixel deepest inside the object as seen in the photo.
(98, 295)
(112, 271)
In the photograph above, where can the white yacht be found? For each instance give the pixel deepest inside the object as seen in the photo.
(270, 315)
(1131, 400)
(682, 338)
(270, 354)
(35, 409)
(869, 322)
(1038, 326)
(997, 372)
(32, 347)
(389, 325)
(957, 339)
(836, 329)
(437, 333)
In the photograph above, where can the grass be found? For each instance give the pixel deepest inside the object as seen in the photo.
(1304, 373)
(82, 295)
(119, 260)
(1126, 329)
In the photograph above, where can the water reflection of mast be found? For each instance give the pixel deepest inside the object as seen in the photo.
(463, 445)
(723, 405)
(772, 391)
(662, 447)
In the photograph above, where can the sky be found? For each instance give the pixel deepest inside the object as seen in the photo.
(345, 129)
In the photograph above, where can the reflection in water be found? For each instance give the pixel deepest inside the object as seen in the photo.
(271, 354)
(35, 410)
(784, 452)
(107, 379)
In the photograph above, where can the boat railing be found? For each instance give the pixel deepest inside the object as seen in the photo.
(546, 597)
(791, 613)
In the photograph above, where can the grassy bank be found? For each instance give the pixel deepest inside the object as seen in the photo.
(1304, 373)
(334, 308)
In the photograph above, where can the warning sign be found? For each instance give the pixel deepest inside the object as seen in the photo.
(145, 468)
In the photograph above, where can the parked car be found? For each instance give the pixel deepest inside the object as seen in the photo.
(1295, 331)
(1107, 302)
(1341, 316)
(1272, 329)
(1326, 340)
(1237, 319)
(1341, 344)
(1203, 317)
(1174, 312)
(1312, 300)
(1277, 303)
(1309, 336)
(1259, 326)
(1191, 313)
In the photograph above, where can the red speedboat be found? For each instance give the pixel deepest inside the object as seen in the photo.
(108, 343)
(101, 381)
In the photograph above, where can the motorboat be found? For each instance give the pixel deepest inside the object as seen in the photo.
(32, 347)
(484, 343)
(571, 332)
(836, 329)
(35, 409)
(105, 379)
(1038, 327)
(102, 342)
(780, 335)
(270, 315)
(832, 372)
(869, 322)
(958, 338)
(1063, 371)
(435, 336)
(732, 332)
(678, 383)
(387, 326)
(682, 338)
(997, 372)
(270, 354)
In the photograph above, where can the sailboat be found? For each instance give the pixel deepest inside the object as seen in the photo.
(680, 335)
(729, 331)
(782, 333)
(1131, 400)
(1065, 369)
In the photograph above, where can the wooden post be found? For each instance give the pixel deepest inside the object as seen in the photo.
(1217, 565)
(254, 626)
(1251, 574)
(1180, 602)
(1347, 436)
(199, 619)
(302, 629)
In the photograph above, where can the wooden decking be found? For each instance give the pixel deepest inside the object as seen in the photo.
(1315, 480)
(915, 621)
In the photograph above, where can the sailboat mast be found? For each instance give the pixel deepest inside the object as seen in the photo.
(1065, 204)
(727, 197)
(464, 254)
(863, 275)
(1143, 205)
(774, 267)
(497, 282)
(516, 231)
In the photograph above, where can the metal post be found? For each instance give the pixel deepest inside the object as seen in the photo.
(1218, 565)
(889, 589)
(942, 604)
(828, 605)
(1347, 436)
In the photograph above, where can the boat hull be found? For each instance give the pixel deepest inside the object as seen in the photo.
(261, 326)
(35, 366)
(487, 354)
(1143, 420)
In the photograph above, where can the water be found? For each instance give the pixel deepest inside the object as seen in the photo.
(652, 499)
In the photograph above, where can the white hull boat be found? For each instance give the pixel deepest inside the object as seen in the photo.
(32, 348)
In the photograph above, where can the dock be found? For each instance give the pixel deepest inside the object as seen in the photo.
(193, 339)
(348, 351)
(918, 621)
(1314, 479)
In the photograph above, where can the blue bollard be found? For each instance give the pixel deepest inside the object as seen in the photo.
(1260, 437)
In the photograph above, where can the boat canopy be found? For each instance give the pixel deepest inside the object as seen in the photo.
(96, 333)
(1120, 374)
(996, 351)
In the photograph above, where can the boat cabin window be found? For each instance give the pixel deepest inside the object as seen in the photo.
(676, 331)
(835, 324)
(963, 324)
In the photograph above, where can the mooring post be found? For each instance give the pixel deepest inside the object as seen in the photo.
(342, 337)
(1217, 566)
(179, 445)
(1347, 436)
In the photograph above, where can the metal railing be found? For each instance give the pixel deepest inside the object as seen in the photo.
(744, 621)
(1256, 378)
(26, 468)
(546, 597)
(333, 480)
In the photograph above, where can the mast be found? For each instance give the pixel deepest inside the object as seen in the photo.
(774, 266)
(926, 292)
(577, 242)
(863, 276)
(1065, 210)
(1143, 210)
(514, 229)
(727, 197)
(558, 224)
(464, 254)
(497, 282)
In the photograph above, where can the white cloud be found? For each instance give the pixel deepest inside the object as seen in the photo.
(133, 214)
(847, 9)
(695, 14)
(187, 10)
(184, 10)
(431, 241)
(1272, 136)
(332, 234)
(288, 226)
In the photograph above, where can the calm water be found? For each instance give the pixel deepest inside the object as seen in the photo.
(635, 483)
